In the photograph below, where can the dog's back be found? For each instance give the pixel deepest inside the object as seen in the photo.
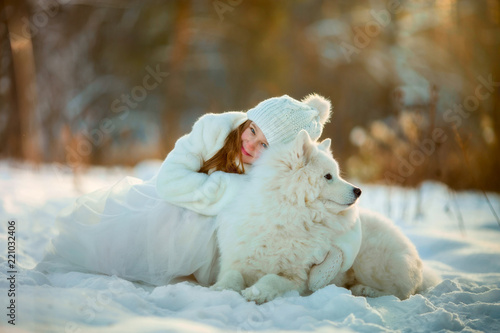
(387, 264)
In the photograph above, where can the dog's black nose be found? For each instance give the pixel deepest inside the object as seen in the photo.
(357, 192)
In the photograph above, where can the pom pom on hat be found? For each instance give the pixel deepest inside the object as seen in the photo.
(282, 118)
(321, 104)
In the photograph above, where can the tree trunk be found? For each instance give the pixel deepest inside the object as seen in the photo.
(24, 78)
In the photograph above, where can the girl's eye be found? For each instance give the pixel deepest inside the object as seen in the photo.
(328, 176)
(253, 131)
(264, 145)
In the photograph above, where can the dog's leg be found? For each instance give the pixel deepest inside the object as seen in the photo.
(230, 279)
(366, 291)
(268, 288)
(323, 273)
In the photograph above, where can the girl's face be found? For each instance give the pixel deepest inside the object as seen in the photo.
(253, 142)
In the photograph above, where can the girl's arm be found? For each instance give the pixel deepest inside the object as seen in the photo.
(339, 258)
(178, 180)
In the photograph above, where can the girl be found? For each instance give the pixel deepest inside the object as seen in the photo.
(163, 229)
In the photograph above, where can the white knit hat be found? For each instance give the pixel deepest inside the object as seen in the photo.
(282, 118)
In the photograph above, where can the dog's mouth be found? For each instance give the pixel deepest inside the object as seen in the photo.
(342, 204)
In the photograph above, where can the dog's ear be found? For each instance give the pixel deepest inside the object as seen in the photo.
(303, 146)
(302, 138)
(325, 145)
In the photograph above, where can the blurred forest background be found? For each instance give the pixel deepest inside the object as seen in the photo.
(415, 85)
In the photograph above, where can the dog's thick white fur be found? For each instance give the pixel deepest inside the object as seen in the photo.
(387, 263)
(295, 226)
(285, 220)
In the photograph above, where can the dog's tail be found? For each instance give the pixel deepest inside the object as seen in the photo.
(430, 279)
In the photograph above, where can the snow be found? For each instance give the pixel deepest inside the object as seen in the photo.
(455, 232)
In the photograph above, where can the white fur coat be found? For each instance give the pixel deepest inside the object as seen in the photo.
(178, 180)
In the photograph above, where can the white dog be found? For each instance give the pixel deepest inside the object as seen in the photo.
(296, 227)
(293, 210)
(387, 263)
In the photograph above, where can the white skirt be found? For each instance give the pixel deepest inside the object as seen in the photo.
(128, 231)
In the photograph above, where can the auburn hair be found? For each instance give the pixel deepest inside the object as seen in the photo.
(228, 158)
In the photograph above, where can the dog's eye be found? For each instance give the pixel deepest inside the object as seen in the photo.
(328, 176)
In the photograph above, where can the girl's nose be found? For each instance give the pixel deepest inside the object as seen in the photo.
(251, 145)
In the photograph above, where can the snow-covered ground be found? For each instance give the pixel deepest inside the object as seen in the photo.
(456, 234)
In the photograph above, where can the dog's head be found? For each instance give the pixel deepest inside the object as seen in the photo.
(306, 172)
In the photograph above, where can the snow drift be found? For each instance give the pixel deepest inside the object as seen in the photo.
(456, 235)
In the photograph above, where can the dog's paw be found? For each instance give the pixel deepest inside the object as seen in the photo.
(366, 291)
(227, 286)
(319, 255)
(259, 296)
(323, 273)
(220, 287)
(232, 280)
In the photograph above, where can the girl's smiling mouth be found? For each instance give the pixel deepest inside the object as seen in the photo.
(244, 151)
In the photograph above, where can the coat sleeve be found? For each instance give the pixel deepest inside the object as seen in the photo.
(178, 180)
